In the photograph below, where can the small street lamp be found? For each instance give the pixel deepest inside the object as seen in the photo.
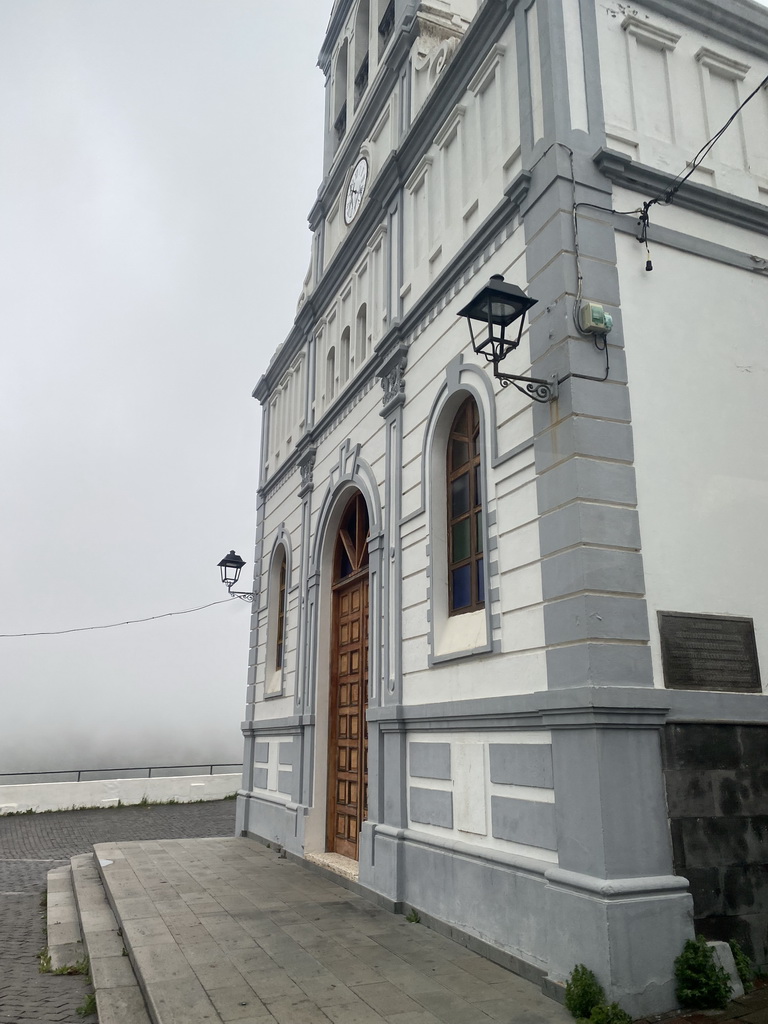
(499, 305)
(231, 566)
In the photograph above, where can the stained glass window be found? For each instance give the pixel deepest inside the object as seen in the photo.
(281, 616)
(466, 582)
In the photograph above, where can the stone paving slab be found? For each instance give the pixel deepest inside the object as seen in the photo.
(233, 932)
(32, 844)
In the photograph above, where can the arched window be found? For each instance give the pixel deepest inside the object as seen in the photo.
(351, 554)
(361, 339)
(466, 580)
(280, 646)
(340, 94)
(361, 49)
(330, 375)
(344, 358)
(386, 24)
(277, 648)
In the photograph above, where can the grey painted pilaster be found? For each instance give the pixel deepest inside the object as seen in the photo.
(593, 582)
(392, 376)
(306, 468)
(614, 850)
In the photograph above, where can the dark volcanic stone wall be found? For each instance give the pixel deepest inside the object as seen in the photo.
(717, 796)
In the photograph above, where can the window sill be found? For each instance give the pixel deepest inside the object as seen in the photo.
(440, 659)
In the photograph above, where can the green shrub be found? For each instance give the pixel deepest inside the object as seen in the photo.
(701, 983)
(743, 965)
(612, 1014)
(583, 992)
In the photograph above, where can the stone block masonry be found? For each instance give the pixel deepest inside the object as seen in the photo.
(716, 779)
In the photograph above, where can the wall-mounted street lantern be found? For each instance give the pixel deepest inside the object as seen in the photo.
(231, 566)
(499, 305)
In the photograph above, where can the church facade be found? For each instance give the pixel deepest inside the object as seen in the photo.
(501, 647)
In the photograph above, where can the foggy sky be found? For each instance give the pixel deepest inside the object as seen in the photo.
(158, 159)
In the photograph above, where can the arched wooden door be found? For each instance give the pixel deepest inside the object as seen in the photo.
(348, 734)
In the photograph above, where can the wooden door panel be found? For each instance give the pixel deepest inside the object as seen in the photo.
(348, 783)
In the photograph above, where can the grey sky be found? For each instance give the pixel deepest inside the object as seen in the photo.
(158, 159)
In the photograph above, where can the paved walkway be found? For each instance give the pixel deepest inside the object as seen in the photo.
(228, 923)
(32, 844)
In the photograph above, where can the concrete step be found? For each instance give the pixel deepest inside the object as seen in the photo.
(173, 992)
(118, 996)
(65, 941)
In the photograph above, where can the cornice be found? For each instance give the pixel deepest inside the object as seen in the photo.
(588, 707)
(712, 202)
(339, 15)
(741, 23)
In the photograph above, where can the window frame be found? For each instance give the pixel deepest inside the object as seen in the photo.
(281, 597)
(276, 610)
(468, 417)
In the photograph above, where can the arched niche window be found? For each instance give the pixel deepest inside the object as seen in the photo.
(340, 94)
(386, 24)
(466, 578)
(280, 645)
(330, 375)
(277, 620)
(361, 335)
(344, 357)
(361, 48)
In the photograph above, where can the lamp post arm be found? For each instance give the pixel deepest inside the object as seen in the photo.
(535, 387)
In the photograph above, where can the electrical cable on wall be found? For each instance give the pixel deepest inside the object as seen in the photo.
(666, 196)
(113, 625)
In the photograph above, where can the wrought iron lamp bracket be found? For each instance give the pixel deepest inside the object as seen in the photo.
(534, 387)
(241, 594)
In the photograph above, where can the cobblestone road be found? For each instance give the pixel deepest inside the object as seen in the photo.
(32, 844)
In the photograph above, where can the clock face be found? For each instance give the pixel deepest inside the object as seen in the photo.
(356, 189)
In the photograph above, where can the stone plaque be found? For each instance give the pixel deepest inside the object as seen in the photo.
(708, 652)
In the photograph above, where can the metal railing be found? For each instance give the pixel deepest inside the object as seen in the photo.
(100, 774)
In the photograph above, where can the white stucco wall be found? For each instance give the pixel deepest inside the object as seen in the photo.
(62, 796)
(698, 379)
(670, 88)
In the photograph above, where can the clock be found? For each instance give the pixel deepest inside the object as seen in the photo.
(355, 190)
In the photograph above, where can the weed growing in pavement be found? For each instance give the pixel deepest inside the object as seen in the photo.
(413, 917)
(83, 966)
(89, 1005)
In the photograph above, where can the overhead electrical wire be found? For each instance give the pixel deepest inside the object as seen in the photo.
(113, 625)
(667, 195)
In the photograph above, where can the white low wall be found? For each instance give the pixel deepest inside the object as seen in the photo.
(63, 796)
